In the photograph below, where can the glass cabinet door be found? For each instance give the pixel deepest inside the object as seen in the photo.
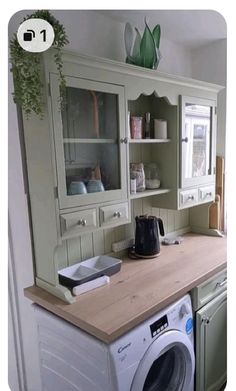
(197, 141)
(90, 144)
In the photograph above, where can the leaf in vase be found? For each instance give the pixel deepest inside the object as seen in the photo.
(130, 60)
(136, 56)
(128, 35)
(159, 56)
(148, 49)
(157, 35)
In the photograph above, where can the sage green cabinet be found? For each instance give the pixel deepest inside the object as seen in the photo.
(78, 158)
(209, 300)
(89, 133)
(197, 150)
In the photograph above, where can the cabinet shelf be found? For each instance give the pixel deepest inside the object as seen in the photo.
(89, 140)
(149, 141)
(148, 193)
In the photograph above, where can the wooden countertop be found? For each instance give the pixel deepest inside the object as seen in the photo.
(141, 288)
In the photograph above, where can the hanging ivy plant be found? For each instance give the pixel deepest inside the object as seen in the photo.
(26, 68)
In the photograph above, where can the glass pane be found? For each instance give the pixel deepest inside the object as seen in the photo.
(87, 167)
(167, 372)
(198, 146)
(90, 136)
(90, 114)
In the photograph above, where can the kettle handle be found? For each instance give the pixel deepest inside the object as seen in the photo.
(161, 226)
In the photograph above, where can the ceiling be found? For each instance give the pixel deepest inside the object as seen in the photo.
(190, 28)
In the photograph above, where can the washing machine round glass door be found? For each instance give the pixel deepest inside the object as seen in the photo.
(168, 364)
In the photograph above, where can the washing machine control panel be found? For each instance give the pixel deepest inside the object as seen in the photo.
(158, 326)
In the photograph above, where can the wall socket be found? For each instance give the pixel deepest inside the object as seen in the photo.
(122, 245)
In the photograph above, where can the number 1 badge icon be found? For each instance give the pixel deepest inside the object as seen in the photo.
(35, 35)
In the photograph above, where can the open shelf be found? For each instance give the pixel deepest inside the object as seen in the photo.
(148, 193)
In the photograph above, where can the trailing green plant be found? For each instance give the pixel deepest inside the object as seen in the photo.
(26, 68)
(145, 51)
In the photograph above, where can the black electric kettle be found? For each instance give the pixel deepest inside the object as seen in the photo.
(147, 243)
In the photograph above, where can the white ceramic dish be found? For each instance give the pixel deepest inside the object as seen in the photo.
(88, 270)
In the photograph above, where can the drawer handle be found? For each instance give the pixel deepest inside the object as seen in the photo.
(82, 222)
(117, 214)
(222, 283)
(209, 194)
(191, 197)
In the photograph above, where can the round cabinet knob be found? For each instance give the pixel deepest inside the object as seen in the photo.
(184, 310)
(117, 214)
(82, 222)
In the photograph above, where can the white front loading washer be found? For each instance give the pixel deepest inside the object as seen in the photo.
(157, 355)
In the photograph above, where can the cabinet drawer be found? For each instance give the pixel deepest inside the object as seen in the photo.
(188, 197)
(76, 223)
(209, 289)
(114, 214)
(207, 193)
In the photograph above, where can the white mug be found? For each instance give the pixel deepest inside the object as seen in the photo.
(160, 128)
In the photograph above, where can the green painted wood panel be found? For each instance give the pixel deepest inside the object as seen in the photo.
(100, 242)
(211, 344)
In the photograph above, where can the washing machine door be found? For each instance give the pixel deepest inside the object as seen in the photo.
(168, 364)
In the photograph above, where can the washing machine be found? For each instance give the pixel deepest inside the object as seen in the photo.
(157, 355)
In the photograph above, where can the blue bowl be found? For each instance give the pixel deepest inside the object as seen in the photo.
(94, 186)
(77, 187)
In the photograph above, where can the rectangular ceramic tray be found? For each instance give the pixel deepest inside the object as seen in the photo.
(88, 270)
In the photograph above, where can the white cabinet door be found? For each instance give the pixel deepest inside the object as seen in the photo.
(211, 344)
(90, 144)
(197, 141)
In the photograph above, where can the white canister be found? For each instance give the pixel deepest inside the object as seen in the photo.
(133, 186)
(160, 128)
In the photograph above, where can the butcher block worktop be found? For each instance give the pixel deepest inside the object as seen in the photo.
(141, 288)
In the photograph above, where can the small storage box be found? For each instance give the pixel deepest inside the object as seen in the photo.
(88, 270)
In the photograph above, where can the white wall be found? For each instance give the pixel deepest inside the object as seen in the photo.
(89, 33)
(22, 328)
(93, 33)
(209, 64)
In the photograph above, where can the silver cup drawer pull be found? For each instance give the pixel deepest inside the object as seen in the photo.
(82, 222)
(191, 197)
(117, 214)
(222, 283)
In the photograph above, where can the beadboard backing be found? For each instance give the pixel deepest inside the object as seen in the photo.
(98, 243)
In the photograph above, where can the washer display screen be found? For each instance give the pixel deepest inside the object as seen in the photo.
(159, 326)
